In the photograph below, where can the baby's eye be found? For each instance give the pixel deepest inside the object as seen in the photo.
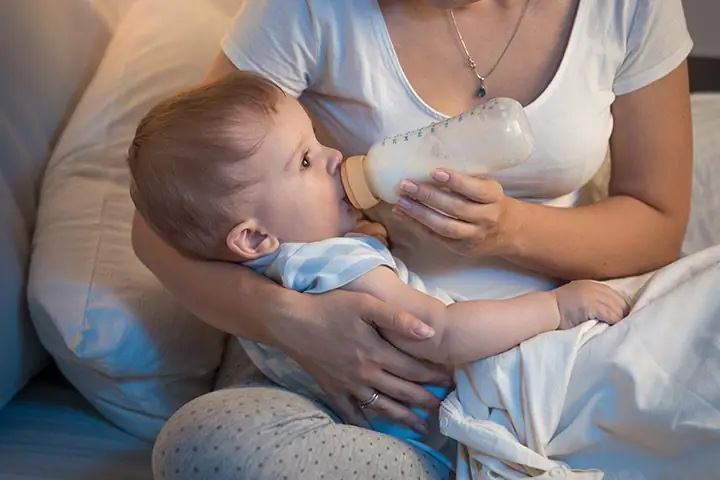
(305, 162)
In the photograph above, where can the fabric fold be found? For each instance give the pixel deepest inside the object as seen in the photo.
(640, 399)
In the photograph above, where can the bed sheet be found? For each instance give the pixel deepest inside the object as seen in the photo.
(49, 431)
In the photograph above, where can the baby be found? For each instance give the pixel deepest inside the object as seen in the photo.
(232, 171)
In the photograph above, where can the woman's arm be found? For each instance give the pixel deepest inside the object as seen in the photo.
(638, 228)
(216, 291)
(641, 225)
(332, 336)
(221, 67)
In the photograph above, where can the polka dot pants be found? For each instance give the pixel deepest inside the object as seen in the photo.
(263, 432)
(268, 433)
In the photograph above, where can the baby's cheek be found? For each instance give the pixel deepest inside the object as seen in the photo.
(347, 221)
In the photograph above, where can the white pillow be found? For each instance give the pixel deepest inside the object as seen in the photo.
(704, 227)
(113, 330)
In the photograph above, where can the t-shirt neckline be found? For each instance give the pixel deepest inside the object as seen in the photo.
(383, 34)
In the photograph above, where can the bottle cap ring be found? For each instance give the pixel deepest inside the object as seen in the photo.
(355, 184)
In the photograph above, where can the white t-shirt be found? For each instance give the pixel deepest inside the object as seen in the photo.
(337, 57)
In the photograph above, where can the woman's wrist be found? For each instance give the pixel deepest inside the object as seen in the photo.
(285, 318)
(509, 238)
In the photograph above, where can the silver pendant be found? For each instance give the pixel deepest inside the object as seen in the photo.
(482, 91)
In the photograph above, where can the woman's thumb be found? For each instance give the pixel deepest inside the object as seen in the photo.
(402, 323)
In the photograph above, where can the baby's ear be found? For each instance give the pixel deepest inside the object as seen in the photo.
(249, 241)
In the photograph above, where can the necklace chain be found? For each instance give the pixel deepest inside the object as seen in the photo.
(471, 61)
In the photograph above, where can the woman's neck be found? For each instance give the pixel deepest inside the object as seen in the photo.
(427, 9)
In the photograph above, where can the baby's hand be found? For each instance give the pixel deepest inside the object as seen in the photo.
(585, 300)
(373, 229)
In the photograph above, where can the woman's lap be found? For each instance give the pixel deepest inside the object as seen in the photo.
(261, 431)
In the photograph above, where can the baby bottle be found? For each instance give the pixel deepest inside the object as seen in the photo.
(491, 137)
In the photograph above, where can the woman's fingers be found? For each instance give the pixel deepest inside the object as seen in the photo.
(404, 366)
(391, 359)
(389, 408)
(343, 404)
(449, 203)
(437, 222)
(466, 213)
(400, 413)
(348, 410)
(380, 315)
(477, 189)
(406, 392)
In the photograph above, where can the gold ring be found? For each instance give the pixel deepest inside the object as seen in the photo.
(366, 403)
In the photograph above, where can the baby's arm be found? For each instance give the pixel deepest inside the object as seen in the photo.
(465, 331)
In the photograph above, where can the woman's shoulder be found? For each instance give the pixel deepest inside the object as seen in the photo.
(317, 12)
(287, 41)
(647, 38)
(626, 16)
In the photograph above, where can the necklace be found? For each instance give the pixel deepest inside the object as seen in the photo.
(482, 91)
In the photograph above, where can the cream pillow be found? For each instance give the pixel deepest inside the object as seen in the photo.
(704, 227)
(49, 52)
(115, 333)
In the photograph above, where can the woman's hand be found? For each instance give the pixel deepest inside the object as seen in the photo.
(470, 215)
(333, 337)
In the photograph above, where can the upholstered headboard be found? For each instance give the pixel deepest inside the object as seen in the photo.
(704, 74)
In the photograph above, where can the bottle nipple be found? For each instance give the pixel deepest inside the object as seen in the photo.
(355, 184)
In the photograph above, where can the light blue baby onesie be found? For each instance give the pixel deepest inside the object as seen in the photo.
(327, 265)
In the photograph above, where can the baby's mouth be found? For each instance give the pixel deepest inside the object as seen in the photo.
(349, 206)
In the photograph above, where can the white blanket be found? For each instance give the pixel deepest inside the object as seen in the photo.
(639, 400)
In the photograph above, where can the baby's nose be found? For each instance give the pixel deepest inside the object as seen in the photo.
(335, 161)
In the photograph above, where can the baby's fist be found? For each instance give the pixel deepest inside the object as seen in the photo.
(585, 300)
(373, 229)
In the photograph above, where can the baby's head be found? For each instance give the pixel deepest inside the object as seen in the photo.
(231, 169)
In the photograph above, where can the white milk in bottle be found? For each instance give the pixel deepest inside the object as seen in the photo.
(491, 137)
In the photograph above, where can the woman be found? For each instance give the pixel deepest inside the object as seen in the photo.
(591, 74)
